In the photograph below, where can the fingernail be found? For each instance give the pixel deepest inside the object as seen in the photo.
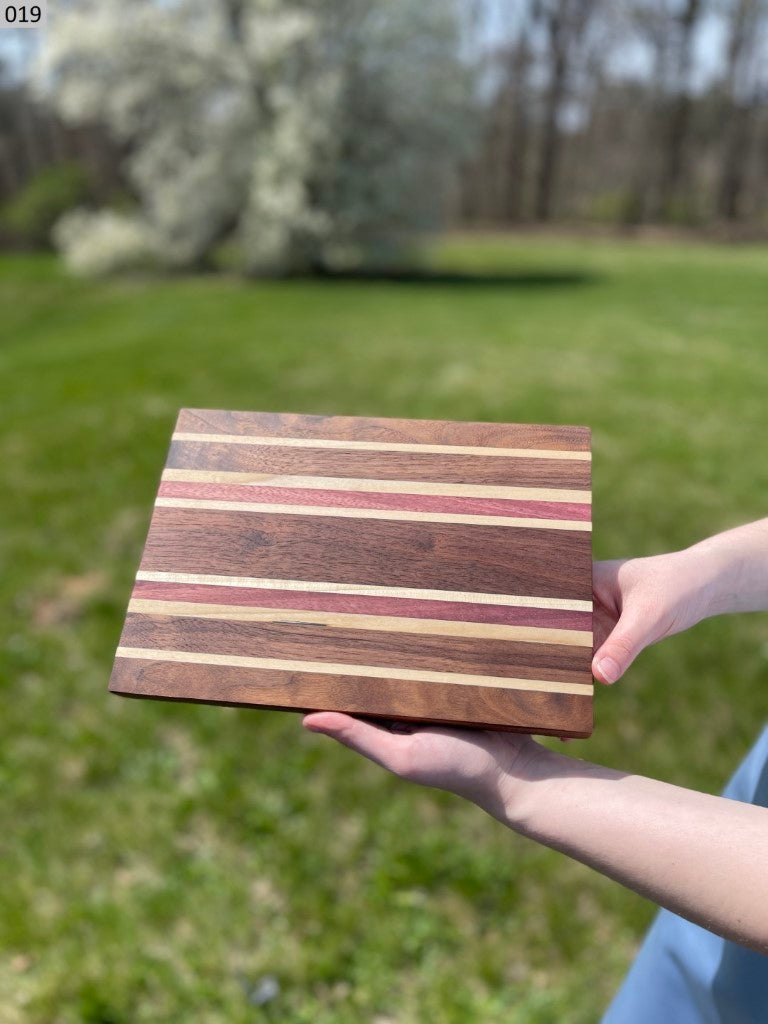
(609, 669)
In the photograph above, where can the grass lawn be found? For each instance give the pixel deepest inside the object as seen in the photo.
(160, 861)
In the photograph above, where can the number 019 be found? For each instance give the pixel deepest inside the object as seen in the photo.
(22, 15)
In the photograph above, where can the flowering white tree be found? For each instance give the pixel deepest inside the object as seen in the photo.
(308, 131)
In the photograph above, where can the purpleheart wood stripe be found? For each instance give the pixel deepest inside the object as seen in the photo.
(546, 618)
(567, 511)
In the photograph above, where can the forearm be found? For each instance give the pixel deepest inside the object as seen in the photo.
(735, 567)
(703, 857)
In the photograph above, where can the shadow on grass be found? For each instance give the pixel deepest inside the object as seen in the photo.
(556, 278)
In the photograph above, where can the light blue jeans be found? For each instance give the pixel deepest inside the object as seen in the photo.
(684, 974)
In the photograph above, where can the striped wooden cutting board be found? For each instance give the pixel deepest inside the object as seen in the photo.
(405, 569)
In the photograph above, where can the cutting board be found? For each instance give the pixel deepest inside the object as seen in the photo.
(403, 569)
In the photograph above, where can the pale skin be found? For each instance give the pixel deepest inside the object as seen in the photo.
(700, 856)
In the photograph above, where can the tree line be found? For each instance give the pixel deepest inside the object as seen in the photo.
(318, 128)
(642, 111)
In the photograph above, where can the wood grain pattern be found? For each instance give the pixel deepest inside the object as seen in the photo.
(571, 512)
(354, 620)
(515, 710)
(346, 428)
(386, 465)
(435, 606)
(443, 556)
(407, 569)
(364, 590)
(308, 641)
(384, 446)
(358, 673)
(381, 486)
(358, 512)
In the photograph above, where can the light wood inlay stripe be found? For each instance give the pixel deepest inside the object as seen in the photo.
(373, 513)
(341, 483)
(384, 446)
(384, 623)
(363, 590)
(357, 671)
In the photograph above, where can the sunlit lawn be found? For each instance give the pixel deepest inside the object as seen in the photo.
(160, 861)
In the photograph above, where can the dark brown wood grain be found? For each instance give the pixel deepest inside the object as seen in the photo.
(308, 642)
(457, 469)
(477, 706)
(446, 556)
(361, 428)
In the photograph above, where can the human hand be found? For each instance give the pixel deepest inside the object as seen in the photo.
(638, 601)
(489, 768)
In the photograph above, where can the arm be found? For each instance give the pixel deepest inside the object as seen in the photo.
(739, 568)
(700, 856)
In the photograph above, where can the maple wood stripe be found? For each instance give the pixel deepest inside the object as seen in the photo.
(580, 500)
(383, 623)
(384, 446)
(340, 462)
(357, 671)
(371, 513)
(361, 499)
(363, 590)
(355, 604)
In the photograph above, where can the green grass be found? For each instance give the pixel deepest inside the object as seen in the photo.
(159, 860)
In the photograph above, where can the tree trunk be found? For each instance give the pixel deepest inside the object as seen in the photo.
(732, 172)
(550, 139)
(678, 128)
(741, 101)
(519, 134)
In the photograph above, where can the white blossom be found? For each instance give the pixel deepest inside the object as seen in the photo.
(105, 242)
(299, 129)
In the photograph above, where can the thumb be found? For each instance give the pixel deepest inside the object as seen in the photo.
(626, 640)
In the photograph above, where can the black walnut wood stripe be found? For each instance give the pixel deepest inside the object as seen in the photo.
(296, 641)
(405, 466)
(360, 428)
(443, 556)
(556, 714)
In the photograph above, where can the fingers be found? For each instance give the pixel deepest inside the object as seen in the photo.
(372, 741)
(605, 668)
(625, 642)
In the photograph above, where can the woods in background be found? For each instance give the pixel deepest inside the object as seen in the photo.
(309, 132)
(643, 111)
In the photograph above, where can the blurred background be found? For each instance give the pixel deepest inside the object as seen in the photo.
(518, 211)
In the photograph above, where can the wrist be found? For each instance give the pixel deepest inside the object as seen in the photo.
(556, 785)
(717, 566)
(522, 792)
